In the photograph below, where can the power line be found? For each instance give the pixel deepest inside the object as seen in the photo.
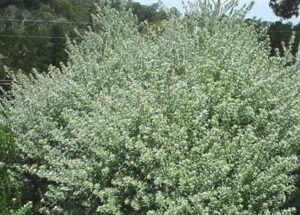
(30, 36)
(46, 21)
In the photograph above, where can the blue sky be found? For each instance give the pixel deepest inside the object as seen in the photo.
(261, 9)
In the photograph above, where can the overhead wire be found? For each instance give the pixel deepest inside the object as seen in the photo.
(30, 36)
(46, 21)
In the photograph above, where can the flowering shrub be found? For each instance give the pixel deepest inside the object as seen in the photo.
(193, 117)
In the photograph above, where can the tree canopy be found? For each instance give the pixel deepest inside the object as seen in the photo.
(285, 8)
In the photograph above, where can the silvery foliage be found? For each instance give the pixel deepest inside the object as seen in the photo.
(192, 117)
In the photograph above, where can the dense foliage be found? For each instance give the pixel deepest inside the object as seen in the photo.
(281, 33)
(8, 186)
(285, 8)
(11, 185)
(193, 117)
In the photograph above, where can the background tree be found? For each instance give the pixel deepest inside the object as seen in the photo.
(279, 33)
(285, 8)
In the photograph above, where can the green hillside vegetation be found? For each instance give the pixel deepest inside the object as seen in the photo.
(32, 32)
